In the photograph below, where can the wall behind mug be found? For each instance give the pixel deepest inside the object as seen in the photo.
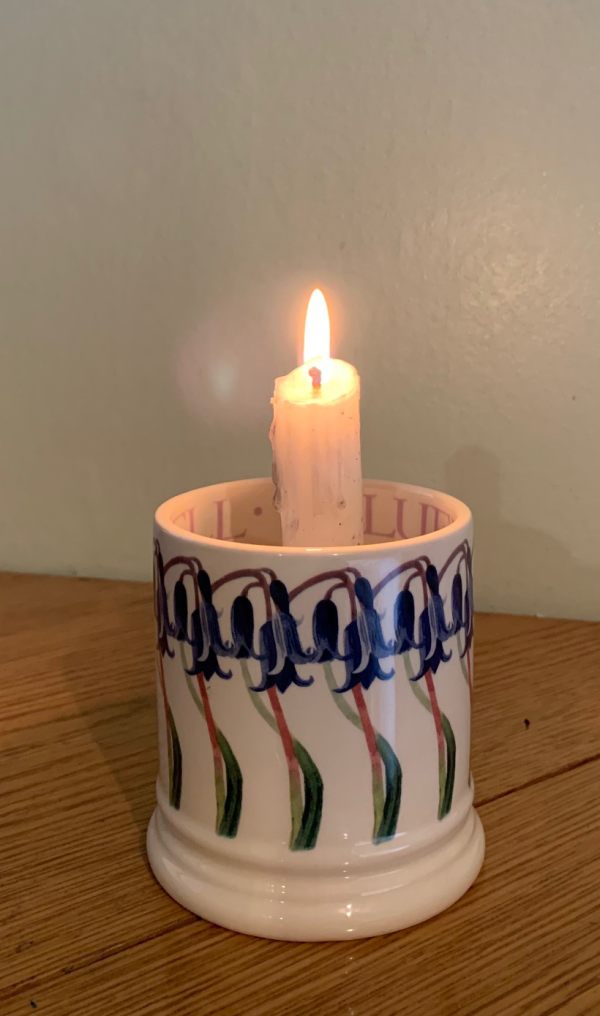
(174, 179)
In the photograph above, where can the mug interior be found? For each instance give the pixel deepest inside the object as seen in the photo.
(242, 512)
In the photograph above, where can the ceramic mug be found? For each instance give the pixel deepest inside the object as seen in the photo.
(314, 714)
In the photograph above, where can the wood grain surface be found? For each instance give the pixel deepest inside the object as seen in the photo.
(86, 930)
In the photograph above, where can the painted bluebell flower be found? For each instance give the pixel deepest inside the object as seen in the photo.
(462, 610)
(205, 638)
(161, 611)
(364, 642)
(180, 612)
(437, 604)
(433, 628)
(326, 627)
(404, 622)
(242, 629)
(280, 647)
(210, 615)
(456, 600)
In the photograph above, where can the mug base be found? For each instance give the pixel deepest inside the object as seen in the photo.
(316, 907)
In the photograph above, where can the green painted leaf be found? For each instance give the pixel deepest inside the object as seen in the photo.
(175, 763)
(313, 800)
(393, 790)
(233, 798)
(446, 802)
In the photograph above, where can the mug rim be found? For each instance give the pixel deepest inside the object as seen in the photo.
(461, 521)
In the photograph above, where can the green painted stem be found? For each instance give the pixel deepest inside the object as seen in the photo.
(305, 832)
(370, 737)
(447, 766)
(440, 738)
(256, 698)
(386, 812)
(174, 756)
(463, 666)
(228, 791)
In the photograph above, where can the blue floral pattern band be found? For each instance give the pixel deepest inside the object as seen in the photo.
(428, 630)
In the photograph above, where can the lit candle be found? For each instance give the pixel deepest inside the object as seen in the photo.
(315, 437)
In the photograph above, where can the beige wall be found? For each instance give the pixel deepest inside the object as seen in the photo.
(175, 175)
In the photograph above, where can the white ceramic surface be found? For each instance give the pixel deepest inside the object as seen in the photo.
(314, 715)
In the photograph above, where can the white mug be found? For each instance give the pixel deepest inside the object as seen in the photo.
(314, 714)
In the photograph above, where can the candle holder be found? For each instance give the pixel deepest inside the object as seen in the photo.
(314, 715)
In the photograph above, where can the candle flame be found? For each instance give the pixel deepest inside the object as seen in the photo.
(316, 328)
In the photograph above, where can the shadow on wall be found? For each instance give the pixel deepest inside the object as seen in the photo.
(517, 569)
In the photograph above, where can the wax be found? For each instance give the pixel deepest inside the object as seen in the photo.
(315, 438)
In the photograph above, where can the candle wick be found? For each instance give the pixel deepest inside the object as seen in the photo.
(315, 374)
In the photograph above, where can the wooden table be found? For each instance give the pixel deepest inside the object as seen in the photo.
(87, 931)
